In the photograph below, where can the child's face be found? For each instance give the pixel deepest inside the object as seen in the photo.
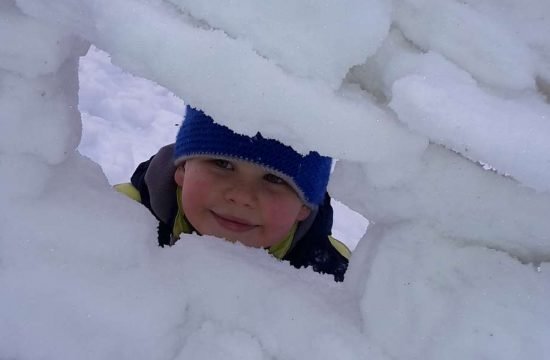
(238, 201)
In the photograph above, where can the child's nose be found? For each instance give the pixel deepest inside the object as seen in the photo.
(241, 193)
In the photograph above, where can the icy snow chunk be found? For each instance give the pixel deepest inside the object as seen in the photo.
(86, 275)
(238, 88)
(71, 195)
(438, 99)
(216, 342)
(490, 52)
(244, 291)
(528, 19)
(30, 47)
(67, 285)
(449, 108)
(446, 300)
(396, 58)
(318, 39)
(40, 116)
(23, 176)
(455, 197)
(229, 80)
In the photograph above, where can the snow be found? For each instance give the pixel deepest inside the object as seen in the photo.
(492, 53)
(454, 264)
(353, 29)
(125, 119)
(257, 91)
(435, 97)
(462, 297)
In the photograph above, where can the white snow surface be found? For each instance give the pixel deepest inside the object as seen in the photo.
(440, 125)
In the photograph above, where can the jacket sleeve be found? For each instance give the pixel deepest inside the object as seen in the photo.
(340, 247)
(138, 182)
(139, 191)
(318, 249)
(137, 188)
(129, 190)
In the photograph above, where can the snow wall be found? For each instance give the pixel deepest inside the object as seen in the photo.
(438, 110)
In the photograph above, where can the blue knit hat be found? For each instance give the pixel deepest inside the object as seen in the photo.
(199, 135)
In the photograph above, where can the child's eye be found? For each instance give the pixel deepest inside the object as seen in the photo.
(224, 164)
(274, 179)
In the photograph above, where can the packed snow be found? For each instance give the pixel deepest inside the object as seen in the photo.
(438, 112)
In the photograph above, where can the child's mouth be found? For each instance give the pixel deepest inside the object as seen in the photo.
(232, 224)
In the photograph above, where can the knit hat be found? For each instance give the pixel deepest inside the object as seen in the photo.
(199, 136)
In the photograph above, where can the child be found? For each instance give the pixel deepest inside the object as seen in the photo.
(257, 191)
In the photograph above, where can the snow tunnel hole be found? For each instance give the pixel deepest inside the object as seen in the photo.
(126, 119)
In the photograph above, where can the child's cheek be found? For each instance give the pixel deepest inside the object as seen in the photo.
(282, 215)
(194, 196)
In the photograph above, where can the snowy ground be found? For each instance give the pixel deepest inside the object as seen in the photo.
(438, 109)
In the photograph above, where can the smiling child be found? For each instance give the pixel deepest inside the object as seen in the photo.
(251, 190)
